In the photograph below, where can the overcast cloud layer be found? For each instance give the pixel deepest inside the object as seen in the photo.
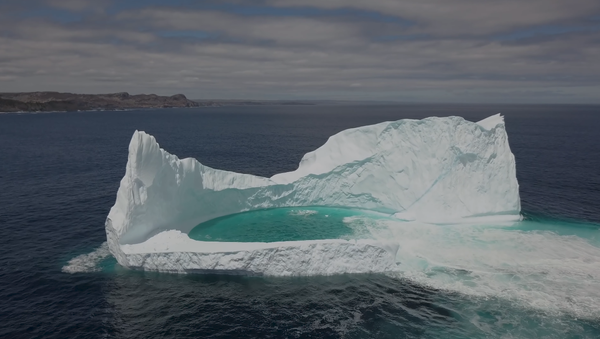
(507, 51)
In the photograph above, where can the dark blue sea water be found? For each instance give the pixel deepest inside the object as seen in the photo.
(59, 173)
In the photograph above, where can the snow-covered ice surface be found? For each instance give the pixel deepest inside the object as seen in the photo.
(433, 171)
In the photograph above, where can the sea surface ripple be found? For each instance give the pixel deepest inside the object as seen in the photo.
(59, 174)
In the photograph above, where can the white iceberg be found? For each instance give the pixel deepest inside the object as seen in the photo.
(435, 170)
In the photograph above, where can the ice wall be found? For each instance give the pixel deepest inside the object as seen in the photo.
(433, 170)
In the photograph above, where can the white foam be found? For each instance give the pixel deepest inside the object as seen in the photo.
(537, 269)
(87, 262)
(303, 212)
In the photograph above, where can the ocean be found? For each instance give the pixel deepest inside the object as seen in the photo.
(59, 174)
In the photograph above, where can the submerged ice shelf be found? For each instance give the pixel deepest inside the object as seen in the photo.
(435, 170)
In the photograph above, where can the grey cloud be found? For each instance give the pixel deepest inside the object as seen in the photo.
(328, 58)
(472, 17)
(80, 5)
(276, 29)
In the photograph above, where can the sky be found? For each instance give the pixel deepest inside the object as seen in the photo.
(431, 51)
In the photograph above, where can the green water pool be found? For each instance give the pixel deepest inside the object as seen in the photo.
(278, 224)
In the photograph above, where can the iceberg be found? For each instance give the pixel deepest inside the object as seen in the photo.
(435, 170)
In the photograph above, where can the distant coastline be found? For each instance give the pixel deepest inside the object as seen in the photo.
(56, 101)
(34, 102)
(48, 102)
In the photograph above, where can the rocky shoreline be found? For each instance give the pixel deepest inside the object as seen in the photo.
(66, 102)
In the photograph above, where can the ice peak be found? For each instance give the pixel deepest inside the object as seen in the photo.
(491, 122)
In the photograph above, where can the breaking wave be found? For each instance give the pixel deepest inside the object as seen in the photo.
(89, 262)
(551, 266)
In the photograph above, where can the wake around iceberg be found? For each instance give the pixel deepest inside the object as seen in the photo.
(430, 171)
